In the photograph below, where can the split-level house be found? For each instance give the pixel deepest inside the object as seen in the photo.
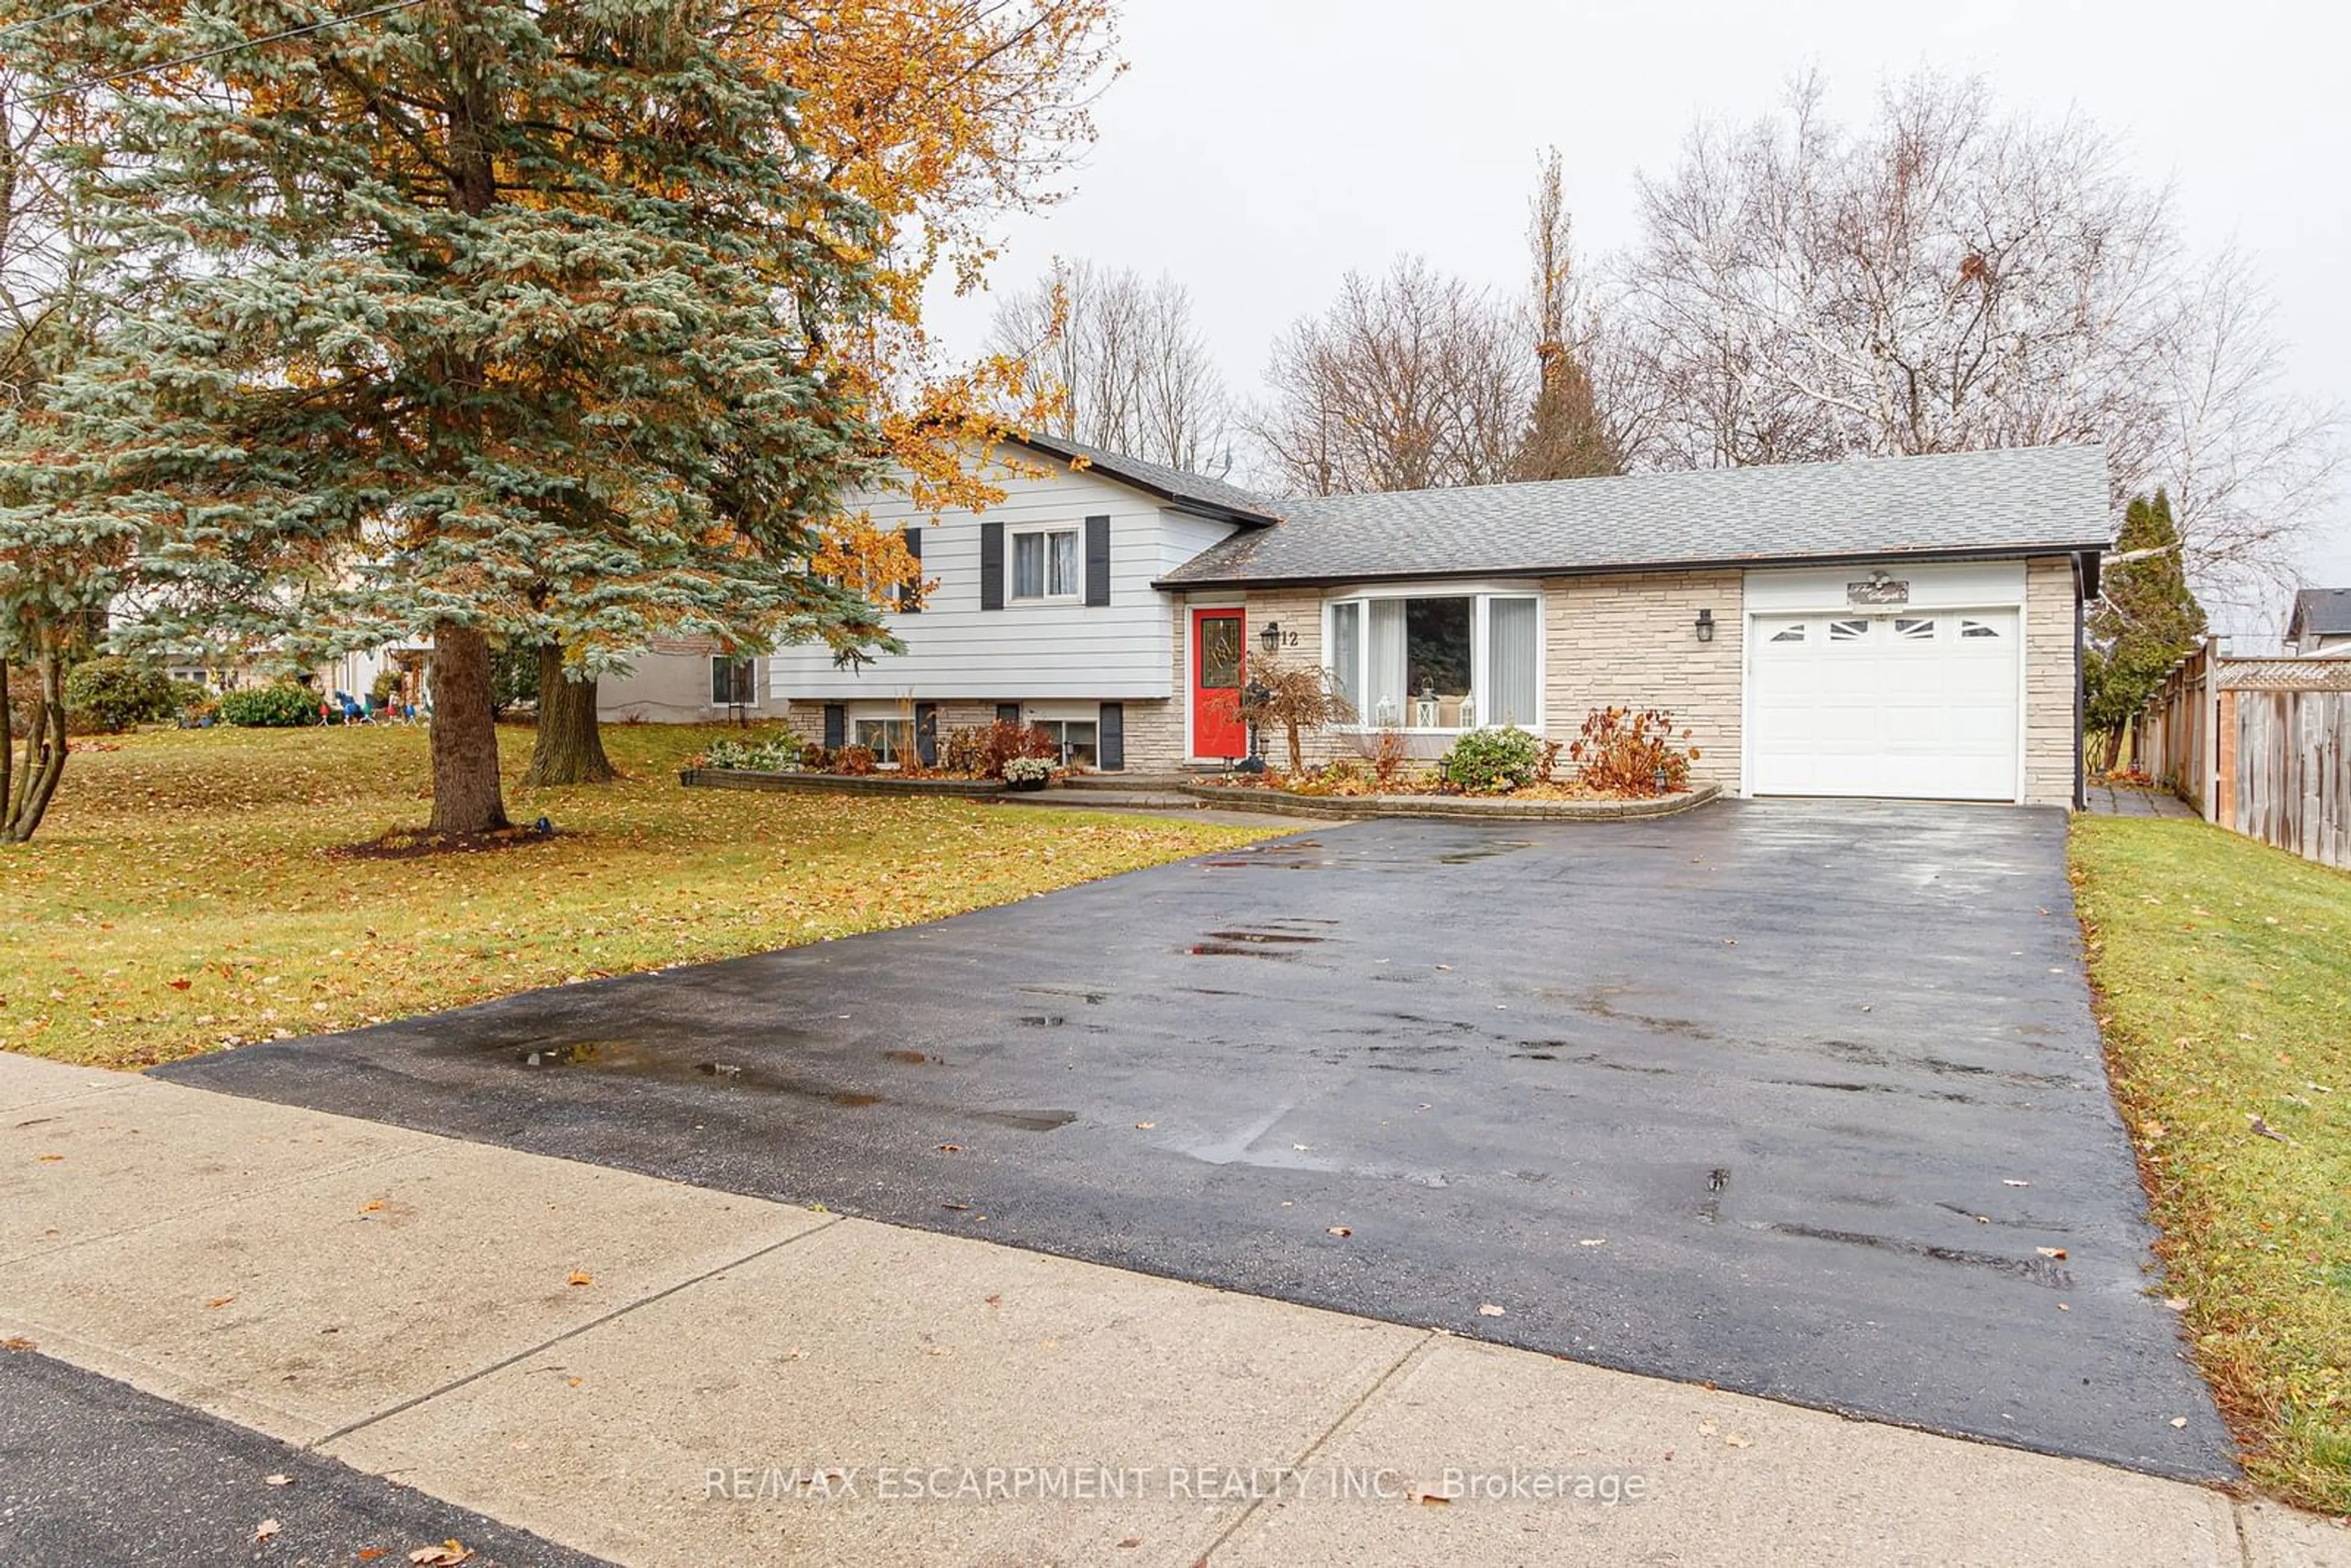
(1901, 627)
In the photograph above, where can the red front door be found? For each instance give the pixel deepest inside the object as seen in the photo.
(1216, 663)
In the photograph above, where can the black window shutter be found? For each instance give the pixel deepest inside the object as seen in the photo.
(926, 733)
(836, 725)
(1008, 713)
(1110, 737)
(991, 566)
(910, 592)
(1097, 560)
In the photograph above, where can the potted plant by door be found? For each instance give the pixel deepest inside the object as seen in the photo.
(1027, 773)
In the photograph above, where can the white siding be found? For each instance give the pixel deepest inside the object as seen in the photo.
(954, 649)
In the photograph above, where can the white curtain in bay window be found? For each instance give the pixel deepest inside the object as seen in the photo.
(1384, 672)
(1511, 627)
(1347, 656)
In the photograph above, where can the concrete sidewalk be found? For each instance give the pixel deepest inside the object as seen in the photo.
(658, 1373)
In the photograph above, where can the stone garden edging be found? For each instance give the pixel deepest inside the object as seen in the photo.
(1459, 807)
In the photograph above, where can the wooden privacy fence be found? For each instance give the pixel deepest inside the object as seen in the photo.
(2261, 745)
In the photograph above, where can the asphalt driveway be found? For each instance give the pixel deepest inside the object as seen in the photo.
(1801, 1100)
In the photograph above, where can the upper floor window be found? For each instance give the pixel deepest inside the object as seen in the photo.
(1046, 563)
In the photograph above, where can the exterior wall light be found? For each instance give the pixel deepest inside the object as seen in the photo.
(1706, 625)
(1269, 637)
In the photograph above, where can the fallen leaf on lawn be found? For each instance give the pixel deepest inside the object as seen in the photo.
(1145, 1126)
(277, 1480)
(577, 1278)
(2176, 1303)
(264, 1530)
(2266, 1131)
(2179, 1420)
(2051, 1251)
(2012, 1181)
(218, 1302)
(950, 1148)
(1737, 1440)
(1341, 1230)
(370, 1553)
(181, 984)
(1488, 1310)
(448, 1554)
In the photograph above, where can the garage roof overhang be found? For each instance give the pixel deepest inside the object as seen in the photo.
(2088, 558)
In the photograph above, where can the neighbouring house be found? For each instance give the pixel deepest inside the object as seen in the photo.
(685, 680)
(1901, 627)
(2321, 622)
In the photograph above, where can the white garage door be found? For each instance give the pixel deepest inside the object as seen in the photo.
(1919, 703)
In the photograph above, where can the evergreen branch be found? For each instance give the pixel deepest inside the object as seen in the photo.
(126, 74)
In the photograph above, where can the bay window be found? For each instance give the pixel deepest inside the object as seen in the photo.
(1437, 661)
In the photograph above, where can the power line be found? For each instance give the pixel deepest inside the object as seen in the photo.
(319, 25)
(45, 21)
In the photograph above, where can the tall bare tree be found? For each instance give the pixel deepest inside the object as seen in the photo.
(1953, 276)
(1124, 358)
(1408, 381)
(1568, 434)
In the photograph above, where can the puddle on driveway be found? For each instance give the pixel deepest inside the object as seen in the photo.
(2035, 1271)
(1485, 850)
(639, 1059)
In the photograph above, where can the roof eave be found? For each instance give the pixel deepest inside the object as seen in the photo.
(1109, 469)
(1726, 563)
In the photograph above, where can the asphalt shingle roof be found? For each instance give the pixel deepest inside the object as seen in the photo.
(2322, 612)
(1186, 489)
(1971, 503)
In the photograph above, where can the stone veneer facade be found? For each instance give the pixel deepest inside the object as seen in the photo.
(1626, 639)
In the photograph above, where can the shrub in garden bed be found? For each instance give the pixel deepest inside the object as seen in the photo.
(1494, 761)
(1626, 752)
(765, 754)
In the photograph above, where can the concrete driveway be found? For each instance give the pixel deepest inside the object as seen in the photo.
(1800, 1100)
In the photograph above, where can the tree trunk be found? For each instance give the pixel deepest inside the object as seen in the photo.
(34, 783)
(465, 795)
(570, 747)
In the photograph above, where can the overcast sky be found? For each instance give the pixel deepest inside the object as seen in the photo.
(1257, 149)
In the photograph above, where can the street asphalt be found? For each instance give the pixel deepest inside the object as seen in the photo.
(1802, 1100)
(93, 1472)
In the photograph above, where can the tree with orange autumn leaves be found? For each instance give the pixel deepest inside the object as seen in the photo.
(555, 324)
(941, 116)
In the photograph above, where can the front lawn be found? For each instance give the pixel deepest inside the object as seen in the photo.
(2224, 968)
(187, 893)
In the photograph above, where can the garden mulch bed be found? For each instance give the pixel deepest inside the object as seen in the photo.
(852, 783)
(1481, 808)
